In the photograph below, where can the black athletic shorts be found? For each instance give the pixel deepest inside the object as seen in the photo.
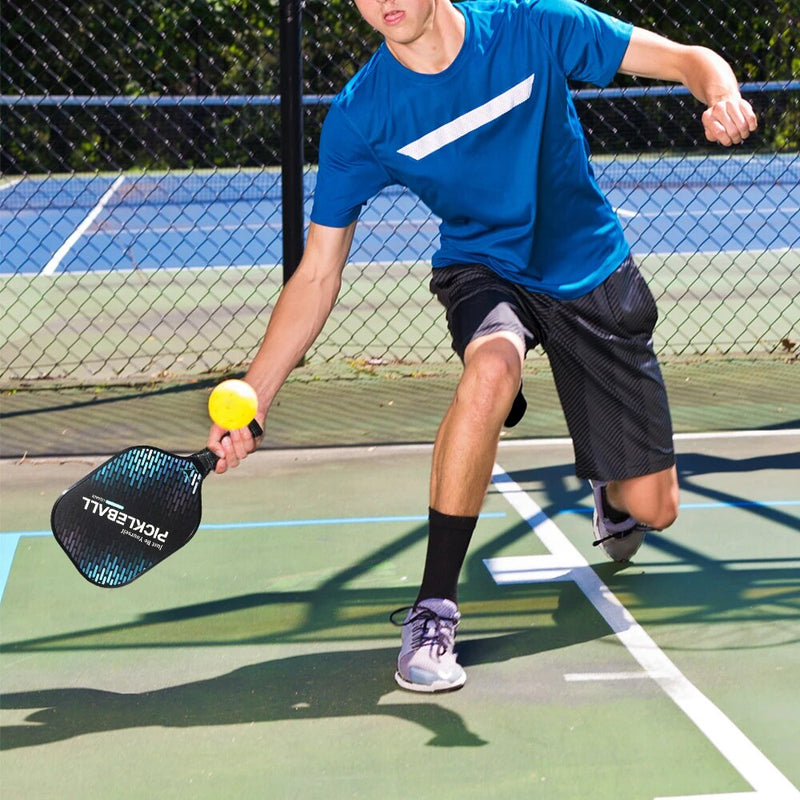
(600, 348)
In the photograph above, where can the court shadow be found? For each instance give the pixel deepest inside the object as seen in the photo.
(564, 492)
(691, 464)
(89, 398)
(358, 682)
(575, 621)
(332, 684)
(303, 687)
(694, 465)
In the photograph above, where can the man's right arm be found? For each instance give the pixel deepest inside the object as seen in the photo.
(303, 307)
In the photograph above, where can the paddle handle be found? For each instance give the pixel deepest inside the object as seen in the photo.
(206, 460)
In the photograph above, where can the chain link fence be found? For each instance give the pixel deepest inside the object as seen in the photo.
(141, 190)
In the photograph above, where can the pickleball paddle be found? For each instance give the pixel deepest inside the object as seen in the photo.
(132, 512)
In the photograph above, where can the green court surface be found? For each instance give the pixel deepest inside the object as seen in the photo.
(258, 660)
(92, 327)
(361, 403)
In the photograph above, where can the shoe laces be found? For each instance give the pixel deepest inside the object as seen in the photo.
(427, 628)
(615, 529)
(637, 526)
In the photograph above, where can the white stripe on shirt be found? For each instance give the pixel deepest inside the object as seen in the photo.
(471, 121)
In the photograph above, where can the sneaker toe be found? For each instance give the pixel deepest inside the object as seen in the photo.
(430, 676)
(423, 681)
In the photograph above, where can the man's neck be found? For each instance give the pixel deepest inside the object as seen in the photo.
(435, 49)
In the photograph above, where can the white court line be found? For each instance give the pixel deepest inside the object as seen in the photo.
(717, 212)
(738, 434)
(734, 796)
(734, 746)
(584, 677)
(182, 268)
(9, 184)
(678, 437)
(54, 263)
(767, 211)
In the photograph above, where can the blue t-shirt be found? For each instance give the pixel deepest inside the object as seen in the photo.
(492, 145)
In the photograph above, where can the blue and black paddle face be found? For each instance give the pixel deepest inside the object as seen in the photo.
(129, 514)
(132, 512)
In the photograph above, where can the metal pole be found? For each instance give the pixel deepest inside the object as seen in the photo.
(291, 88)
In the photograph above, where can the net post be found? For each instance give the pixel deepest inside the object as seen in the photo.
(291, 88)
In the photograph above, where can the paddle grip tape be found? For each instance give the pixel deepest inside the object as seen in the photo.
(206, 460)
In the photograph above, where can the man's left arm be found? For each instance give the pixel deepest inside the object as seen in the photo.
(728, 119)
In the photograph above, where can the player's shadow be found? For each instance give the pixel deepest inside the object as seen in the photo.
(346, 683)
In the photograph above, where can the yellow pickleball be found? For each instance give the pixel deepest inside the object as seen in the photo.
(232, 404)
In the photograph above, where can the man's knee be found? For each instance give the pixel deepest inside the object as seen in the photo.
(492, 372)
(663, 515)
(652, 499)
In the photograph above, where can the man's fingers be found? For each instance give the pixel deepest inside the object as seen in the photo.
(231, 447)
(729, 122)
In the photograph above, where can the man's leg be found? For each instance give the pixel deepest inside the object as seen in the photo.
(650, 499)
(466, 444)
(463, 456)
(626, 509)
(615, 403)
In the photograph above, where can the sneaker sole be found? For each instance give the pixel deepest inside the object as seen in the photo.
(430, 688)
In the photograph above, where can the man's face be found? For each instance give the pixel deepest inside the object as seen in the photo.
(399, 21)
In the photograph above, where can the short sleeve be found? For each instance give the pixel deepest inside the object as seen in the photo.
(588, 44)
(348, 175)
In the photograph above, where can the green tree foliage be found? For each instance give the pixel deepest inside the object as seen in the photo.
(231, 47)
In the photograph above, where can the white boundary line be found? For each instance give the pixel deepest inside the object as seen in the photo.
(422, 447)
(590, 677)
(734, 796)
(54, 263)
(738, 434)
(735, 747)
(9, 184)
(678, 437)
(129, 270)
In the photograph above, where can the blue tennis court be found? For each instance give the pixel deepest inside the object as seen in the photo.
(174, 220)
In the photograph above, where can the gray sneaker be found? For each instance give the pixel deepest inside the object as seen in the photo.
(620, 540)
(427, 662)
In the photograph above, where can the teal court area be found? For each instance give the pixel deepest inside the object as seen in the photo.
(258, 661)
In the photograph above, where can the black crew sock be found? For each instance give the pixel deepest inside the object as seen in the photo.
(613, 514)
(448, 540)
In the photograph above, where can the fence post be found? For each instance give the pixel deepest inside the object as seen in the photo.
(291, 87)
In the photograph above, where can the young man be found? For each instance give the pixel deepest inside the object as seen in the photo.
(468, 106)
